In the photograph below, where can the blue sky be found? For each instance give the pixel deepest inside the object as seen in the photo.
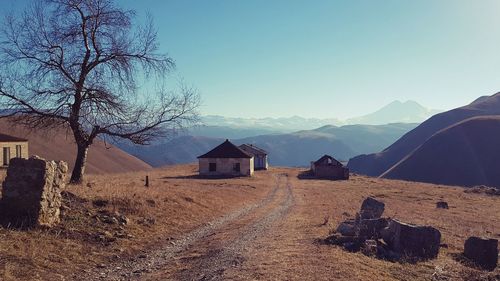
(258, 58)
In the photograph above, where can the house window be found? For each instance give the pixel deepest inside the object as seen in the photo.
(212, 167)
(6, 156)
(236, 167)
(18, 151)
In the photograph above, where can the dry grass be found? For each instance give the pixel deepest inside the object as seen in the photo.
(300, 258)
(171, 206)
(177, 202)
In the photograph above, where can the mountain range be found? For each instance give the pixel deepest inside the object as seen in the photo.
(394, 112)
(289, 149)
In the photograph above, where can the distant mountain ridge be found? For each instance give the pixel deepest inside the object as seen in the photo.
(290, 149)
(279, 125)
(394, 112)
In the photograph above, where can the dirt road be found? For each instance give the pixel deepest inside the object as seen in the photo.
(207, 252)
(277, 237)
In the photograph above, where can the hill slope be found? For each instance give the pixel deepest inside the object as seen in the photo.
(464, 154)
(59, 145)
(377, 163)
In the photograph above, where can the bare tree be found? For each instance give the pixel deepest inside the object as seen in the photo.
(77, 63)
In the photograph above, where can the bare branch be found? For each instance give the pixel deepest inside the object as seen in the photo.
(75, 63)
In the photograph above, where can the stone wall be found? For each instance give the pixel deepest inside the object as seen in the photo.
(31, 192)
(330, 172)
(225, 166)
(12, 148)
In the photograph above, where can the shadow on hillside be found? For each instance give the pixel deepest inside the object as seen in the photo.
(26, 221)
(461, 258)
(306, 175)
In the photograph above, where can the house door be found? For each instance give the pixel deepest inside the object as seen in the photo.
(6, 156)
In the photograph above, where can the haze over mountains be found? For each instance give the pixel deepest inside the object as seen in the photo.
(290, 149)
(453, 147)
(394, 112)
(293, 141)
(404, 112)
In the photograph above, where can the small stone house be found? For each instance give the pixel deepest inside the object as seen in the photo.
(328, 167)
(259, 156)
(226, 160)
(12, 147)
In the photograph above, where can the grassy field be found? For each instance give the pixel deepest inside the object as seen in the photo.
(178, 202)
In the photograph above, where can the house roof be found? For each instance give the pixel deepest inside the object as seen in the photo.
(226, 150)
(325, 158)
(8, 138)
(250, 148)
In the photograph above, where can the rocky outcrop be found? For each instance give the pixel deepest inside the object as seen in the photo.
(371, 209)
(385, 238)
(412, 241)
(482, 252)
(31, 192)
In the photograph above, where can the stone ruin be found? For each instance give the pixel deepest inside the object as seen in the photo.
(385, 238)
(31, 192)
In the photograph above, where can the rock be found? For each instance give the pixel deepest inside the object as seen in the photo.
(105, 236)
(31, 192)
(483, 252)
(370, 228)
(347, 228)
(123, 220)
(108, 219)
(442, 205)
(100, 202)
(147, 221)
(412, 241)
(340, 240)
(354, 246)
(371, 209)
(370, 248)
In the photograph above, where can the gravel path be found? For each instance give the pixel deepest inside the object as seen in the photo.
(211, 265)
(134, 268)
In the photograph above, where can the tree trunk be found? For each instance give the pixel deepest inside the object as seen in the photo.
(79, 168)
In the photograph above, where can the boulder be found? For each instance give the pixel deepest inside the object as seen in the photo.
(412, 241)
(442, 205)
(371, 209)
(482, 252)
(347, 228)
(370, 228)
(31, 192)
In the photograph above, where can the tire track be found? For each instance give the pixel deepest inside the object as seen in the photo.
(213, 264)
(155, 260)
